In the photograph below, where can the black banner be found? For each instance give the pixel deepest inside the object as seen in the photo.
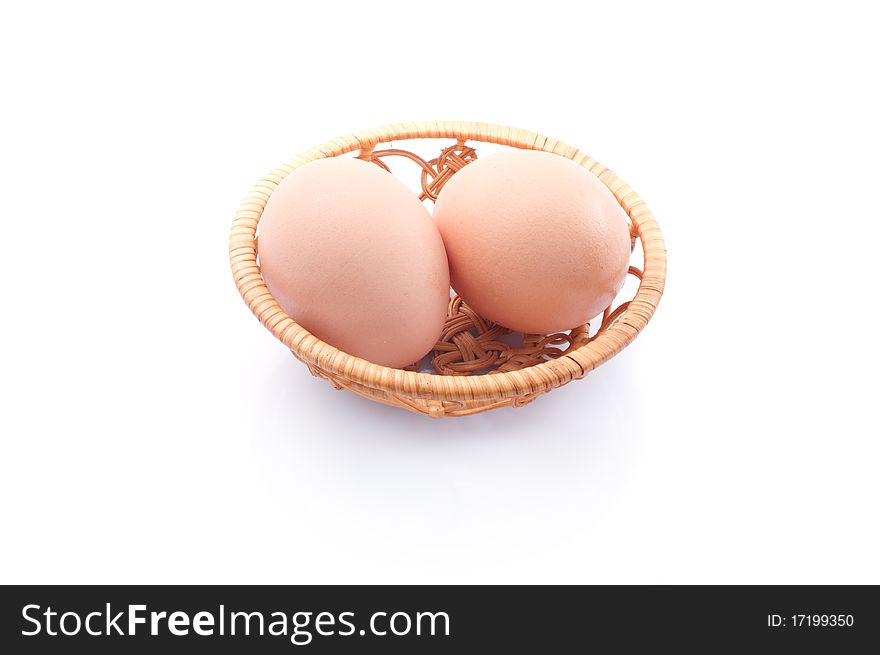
(448, 619)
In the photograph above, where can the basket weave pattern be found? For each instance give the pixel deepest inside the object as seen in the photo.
(469, 344)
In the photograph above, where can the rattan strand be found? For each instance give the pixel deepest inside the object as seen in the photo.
(469, 344)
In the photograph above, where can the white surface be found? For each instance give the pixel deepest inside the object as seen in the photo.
(153, 431)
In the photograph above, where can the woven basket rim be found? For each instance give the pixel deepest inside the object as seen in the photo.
(573, 364)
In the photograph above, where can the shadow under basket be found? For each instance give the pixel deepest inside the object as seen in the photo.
(477, 365)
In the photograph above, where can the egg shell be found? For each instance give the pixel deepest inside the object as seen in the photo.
(535, 242)
(353, 256)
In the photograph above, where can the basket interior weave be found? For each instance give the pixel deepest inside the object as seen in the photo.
(476, 365)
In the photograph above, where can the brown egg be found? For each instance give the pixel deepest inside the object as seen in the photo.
(535, 241)
(353, 256)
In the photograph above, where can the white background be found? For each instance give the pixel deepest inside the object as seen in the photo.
(154, 431)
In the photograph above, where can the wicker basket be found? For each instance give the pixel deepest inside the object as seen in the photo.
(514, 374)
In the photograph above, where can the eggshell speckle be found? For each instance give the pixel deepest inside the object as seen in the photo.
(353, 256)
(535, 241)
